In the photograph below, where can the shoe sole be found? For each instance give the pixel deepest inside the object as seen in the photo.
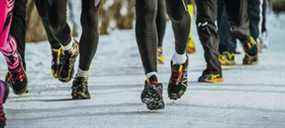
(252, 62)
(79, 97)
(20, 92)
(153, 101)
(216, 81)
(153, 105)
(176, 96)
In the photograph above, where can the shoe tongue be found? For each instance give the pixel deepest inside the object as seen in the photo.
(153, 79)
(177, 68)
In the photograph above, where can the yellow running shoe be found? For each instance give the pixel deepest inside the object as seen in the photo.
(251, 51)
(191, 48)
(211, 78)
(227, 58)
(160, 56)
(55, 63)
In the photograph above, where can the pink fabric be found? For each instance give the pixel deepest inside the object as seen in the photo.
(8, 45)
(6, 7)
(10, 53)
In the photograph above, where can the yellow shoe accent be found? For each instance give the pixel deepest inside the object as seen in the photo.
(191, 48)
(58, 53)
(211, 78)
(214, 79)
(160, 57)
(222, 60)
(251, 42)
(250, 47)
(220, 80)
(191, 9)
(227, 59)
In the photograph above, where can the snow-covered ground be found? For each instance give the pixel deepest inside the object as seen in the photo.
(250, 97)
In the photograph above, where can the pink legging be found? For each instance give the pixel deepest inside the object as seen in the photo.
(7, 43)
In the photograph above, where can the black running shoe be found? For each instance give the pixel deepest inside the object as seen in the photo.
(251, 52)
(55, 62)
(152, 94)
(249, 60)
(80, 88)
(17, 79)
(178, 82)
(67, 63)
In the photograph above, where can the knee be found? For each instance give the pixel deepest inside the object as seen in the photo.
(57, 23)
(150, 13)
(147, 13)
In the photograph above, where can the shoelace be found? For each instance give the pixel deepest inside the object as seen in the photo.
(11, 60)
(177, 74)
(81, 83)
(67, 59)
(18, 75)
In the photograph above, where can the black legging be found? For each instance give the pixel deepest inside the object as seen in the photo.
(208, 33)
(254, 15)
(53, 14)
(147, 33)
(90, 33)
(161, 21)
(264, 10)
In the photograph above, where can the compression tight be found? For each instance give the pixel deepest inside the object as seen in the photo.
(53, 13)
(147, 33)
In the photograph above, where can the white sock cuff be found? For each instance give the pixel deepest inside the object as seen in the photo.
(82, 73)
(148, 75)
(179, 58)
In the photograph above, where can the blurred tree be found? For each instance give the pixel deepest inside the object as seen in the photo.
(113, 14)
(116, 14)
(35, 29)
(278, 5)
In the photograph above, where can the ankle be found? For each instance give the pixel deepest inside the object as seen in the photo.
(179, 58)
(82, 73)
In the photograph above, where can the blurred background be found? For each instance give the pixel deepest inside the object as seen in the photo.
(114, 14)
